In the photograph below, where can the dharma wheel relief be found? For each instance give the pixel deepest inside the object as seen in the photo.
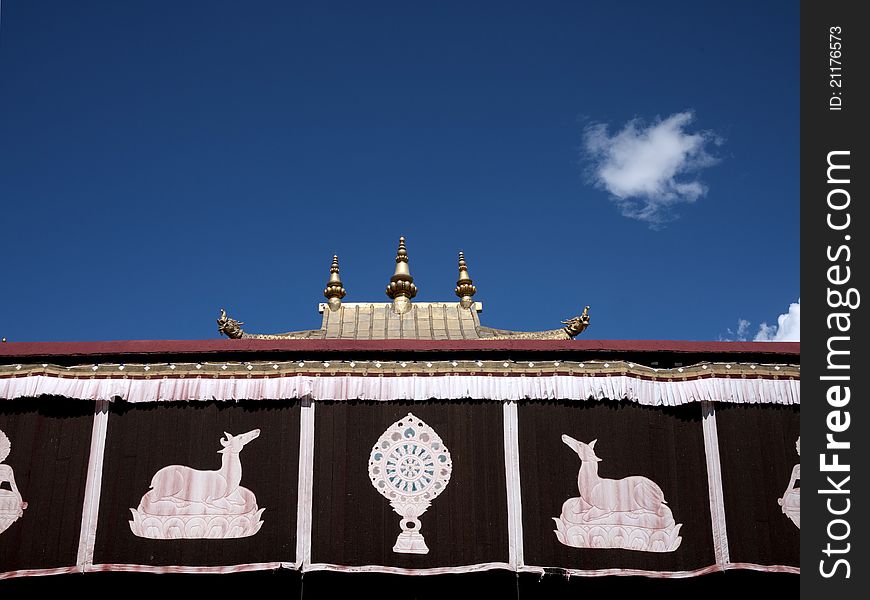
(410, 466)
(410, 486)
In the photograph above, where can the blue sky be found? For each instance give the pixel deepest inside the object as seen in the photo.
(161, 160)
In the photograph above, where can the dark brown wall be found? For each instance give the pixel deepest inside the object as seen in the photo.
(142, 439)
(757, 451)
(354, 525)
(51, 439)
(663, 444)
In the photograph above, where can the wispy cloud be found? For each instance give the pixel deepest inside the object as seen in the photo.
(650, 168)
(787, 328)
(736, 335)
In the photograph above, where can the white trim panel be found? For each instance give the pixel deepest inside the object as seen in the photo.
(444, 387)
(714, 484)
(512, 480)
(306, 485)
(93, 487)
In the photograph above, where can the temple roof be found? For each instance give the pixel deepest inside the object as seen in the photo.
(403, 319)
(424, 321)
(421, 321)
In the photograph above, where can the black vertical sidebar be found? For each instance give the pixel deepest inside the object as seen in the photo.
(834, 228)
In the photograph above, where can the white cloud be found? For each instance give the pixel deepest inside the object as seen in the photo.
(742, 328)
(648, 169)
(787, 329)
(738, 335)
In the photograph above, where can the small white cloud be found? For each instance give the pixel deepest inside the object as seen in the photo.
(787, 329)
(738, 335)
(648, 169)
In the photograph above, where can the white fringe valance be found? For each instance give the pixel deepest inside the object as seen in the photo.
(447, 387)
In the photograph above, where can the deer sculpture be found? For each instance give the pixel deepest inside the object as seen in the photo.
(189, 503)
(180, 483)
(628, 513)
(613, 495)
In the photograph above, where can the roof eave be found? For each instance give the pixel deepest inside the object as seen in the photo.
(29, 350)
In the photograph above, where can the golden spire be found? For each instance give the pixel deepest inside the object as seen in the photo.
(401, 288)
(465, 286)
(334, 291)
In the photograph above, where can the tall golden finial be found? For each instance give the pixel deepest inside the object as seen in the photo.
(401, 288)
(334, 290)
(464, 286)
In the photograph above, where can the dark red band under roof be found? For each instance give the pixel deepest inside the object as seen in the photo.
(22, 350)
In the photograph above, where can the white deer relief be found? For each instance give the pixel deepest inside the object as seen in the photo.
(791, 499)
(188, 503)
(410, 466)
(11, 504)
(629, 513)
